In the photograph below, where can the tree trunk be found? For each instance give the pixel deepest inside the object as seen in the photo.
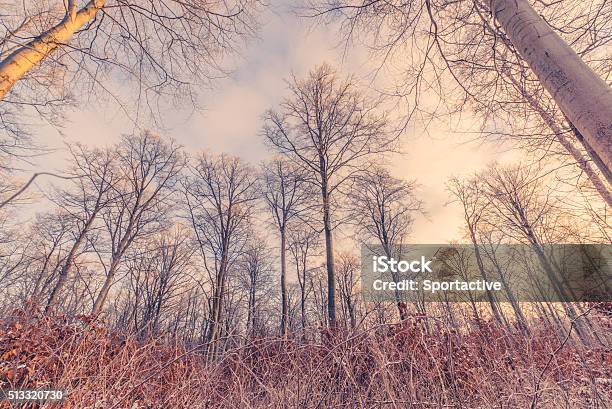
(579, 92)
(581, 161)
(483, 273)
(216, 311)
(329, 258)
(518, 313)
(474, 309)
(303, 308)
(302, 282)
(351, 311)
(250, 330)
(122, 246)
(396, 278)
(110, 276)
(22, 60)
(67, 268)
(607, 172)
(64, 273)
(283, 283)
(557, 285)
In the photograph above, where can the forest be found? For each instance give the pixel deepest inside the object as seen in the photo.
(153, 260)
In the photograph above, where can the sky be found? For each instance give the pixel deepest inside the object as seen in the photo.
(231, 119)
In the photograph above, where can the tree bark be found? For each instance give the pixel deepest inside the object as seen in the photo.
(607, 172)
(579, 92)
(22, 60)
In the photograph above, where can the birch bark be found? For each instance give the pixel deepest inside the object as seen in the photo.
(579, 92)
(22, 60)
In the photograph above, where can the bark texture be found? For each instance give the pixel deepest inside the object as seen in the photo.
(22, 60)
(579, 92)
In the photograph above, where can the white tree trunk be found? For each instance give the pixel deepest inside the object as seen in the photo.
(23, 59)
(580, 159)
(579, 92)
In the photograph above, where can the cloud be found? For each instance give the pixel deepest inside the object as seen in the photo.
(231, 120)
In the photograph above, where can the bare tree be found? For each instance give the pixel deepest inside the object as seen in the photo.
(348, 283)
(287, 195)
(304, 244)
(93, 187)
(57, 53)
(474, 204)
(581, 94)
(38, 258)
(491, 239)
(219, 197)
(551, 118)
(13, 255)
(382, 209)
(479, 43)
(524, 208)
(330, 129)
(52, 48)
(159, 273)
(318, 283)
(149, 168)
(256, 267)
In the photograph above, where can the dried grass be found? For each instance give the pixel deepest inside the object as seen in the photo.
(387, 366)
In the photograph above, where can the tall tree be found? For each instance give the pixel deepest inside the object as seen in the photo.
(287, 195)
(383, 209)
(580, 93)
(304, 244)
(94, 180)
(348, 283)
(474, 203)
(524, 208)
(160, 271)
(219, 197)
(44, 258)
(256, 265)
(149, 167)
(330, 129)
(56, 53)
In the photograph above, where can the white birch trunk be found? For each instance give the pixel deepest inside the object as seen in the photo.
(579, 92)
(22, 60)
(580, 159)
